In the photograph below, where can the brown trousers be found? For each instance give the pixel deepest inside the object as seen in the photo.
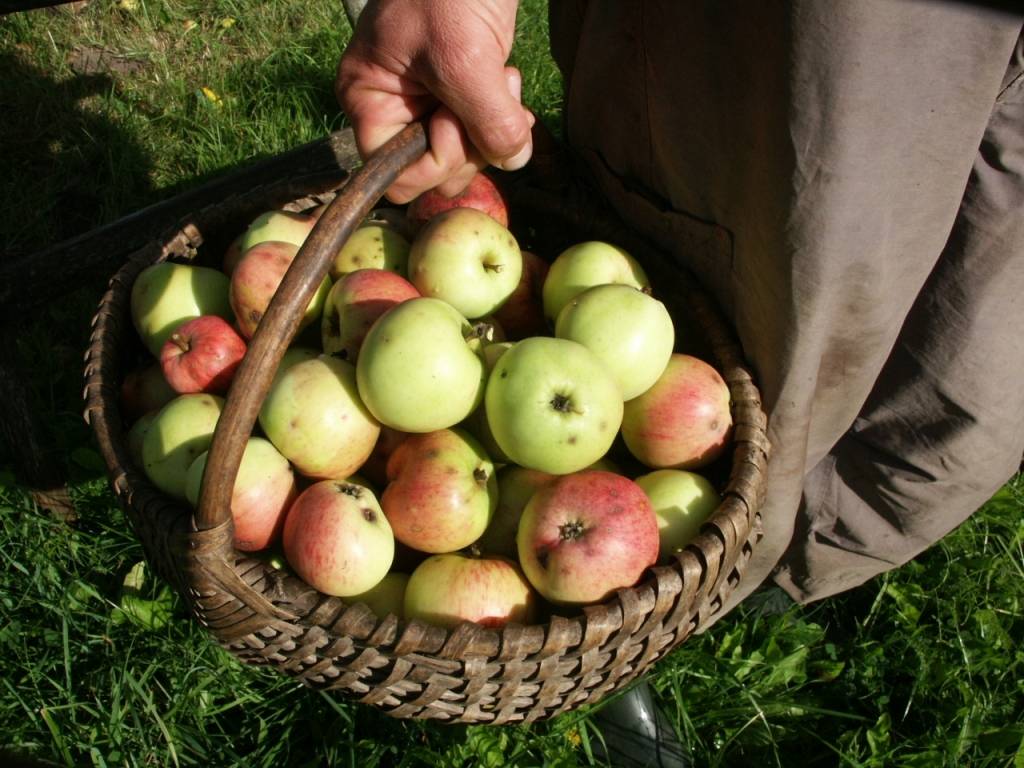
(846, 177)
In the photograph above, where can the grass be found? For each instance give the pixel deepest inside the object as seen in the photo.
(920, 667)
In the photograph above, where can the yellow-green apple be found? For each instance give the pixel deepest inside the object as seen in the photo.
(441, 492)
(264, 490)
(522, 314)
(337, 539)
(585, 265)
(145, 389)
(451, 588)
(628, 330)
(551, 405)
(354, 304)
(181, 431)
(467, 259)
(476, 423)
(256, 279)
(375, 468)
(585, 535)
(167, 294)
(293, 355)
(137, 434)
(516, 486)
(280, 226)
(683, 421)
(419, 368)
(387, 597)
(314, 417)
(371, 246)
(682, 501)
(481, 194)
(202, 355)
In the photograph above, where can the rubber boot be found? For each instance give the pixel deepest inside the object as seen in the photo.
(636, 733)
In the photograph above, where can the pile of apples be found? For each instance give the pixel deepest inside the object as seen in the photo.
(442, 440)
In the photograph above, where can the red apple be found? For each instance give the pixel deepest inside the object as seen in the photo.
(451, 588)
(522, 315)
(585, 535)
(442, 491)
(683, 421)
(516, 486)
(482, 194)
(202, 355)
(354, 304)
(144, 390)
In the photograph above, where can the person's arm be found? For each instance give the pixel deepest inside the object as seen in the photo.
(445, 58)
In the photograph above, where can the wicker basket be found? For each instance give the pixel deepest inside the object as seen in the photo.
(411, 669)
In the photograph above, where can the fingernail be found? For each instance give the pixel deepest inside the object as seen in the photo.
(518, 160)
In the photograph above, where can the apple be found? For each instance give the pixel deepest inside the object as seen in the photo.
(682, 501)
(467, 259)
(585, 535)
(585, 265)
(394, 219)
(481, 194)
(354, 304)
(293, 355)
(419, 368)
(202, 355)
(232, 256)
(314, 417)
(372, 246)
(256, 279)
(451, 588)
(387, 597)
(375, 468)
(337, 539)
(516, 486)
(167, 294)
(683, 421)
(279, 226)
(179, 432)
(144, 390)
(137, 434)
(628, 330)
(264, 490)
(522, 314)
(551, 405)
(476, 423)
(441, 492)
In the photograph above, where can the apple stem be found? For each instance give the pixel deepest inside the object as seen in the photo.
(481, 330)
(181, 342)
(571, 531)
(480, 475)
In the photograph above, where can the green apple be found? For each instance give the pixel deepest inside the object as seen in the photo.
(552, 405)
(682, 501)
(585, 265)
(372, 246)
(628, 330)
(419, 369)
(181, 431)
(314, 417)
(467, 259)
(167, 294)
(387, 597)
(476, 423)
(137, 435)
(283, 226)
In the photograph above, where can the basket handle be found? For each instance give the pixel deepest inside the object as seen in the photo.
(281, 322)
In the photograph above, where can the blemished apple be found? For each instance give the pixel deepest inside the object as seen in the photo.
(387, 597)
(468, 259)
(144, 390)
(585, 535)
(627, 330)
(337, 539)
(585, 265)
(313, 415)
(481, 194)
(522, 314)
(280, 226)
(264, 489)
(551, 405)
(682, 501)
(441, 492)
(179, 432)
(372, 246)
(202, 355)
(683, 421)
(256, 279)
(419, 368)
(451, 588)
(167, 294)
(354, 304)
(516, 486)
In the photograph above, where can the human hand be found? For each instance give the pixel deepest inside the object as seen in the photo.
(446, 59)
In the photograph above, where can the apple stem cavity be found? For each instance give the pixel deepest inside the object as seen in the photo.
(571, 531)
(563, 404)
(481, 476)
(181, 342)
(350, 489)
